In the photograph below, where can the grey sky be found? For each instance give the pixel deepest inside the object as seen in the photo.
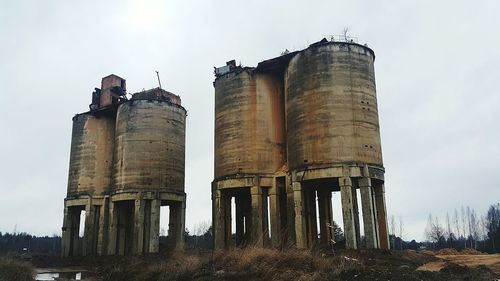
(437, 68)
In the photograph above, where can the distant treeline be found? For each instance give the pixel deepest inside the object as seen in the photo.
(464, 228)
(23, 242)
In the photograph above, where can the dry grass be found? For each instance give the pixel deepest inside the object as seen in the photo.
(15, 270)
(237, 264)
(176, 267)
(268, 264)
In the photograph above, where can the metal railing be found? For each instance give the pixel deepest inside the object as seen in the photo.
(343, 38)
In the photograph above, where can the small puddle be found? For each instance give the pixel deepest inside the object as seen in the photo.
(47, 276)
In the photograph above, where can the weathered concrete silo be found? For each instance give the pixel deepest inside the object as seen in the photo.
(325, 104)
(91, 159)
(148, 170)
(249, 153)
(333, 141)
(126, 161)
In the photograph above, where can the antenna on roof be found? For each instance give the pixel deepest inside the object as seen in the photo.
(158, 75)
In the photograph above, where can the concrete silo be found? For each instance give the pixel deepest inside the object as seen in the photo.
(333, 141)
(327, 109)
(89, 179)
(148, 171)
(249, 154)
(126, 161)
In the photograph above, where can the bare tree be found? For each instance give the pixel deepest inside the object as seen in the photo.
(434, 232)
(449, 232)
(456, 222)
(392, 225)
(493, 226)
(345, 31)
(463, 219)
(401, 231)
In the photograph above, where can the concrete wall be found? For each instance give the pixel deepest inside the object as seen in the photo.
(91, 156)
(331, 107)
(150, 146)
(249, 124)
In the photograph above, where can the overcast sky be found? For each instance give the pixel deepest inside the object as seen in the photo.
(437, 71)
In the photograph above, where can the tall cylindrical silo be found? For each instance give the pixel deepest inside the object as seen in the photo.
(91, 155)
(150, 145)
(331, 107)
(249, 124)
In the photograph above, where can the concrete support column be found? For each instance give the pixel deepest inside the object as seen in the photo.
(290, 209)
(154, 232)
(240, 220)
(228, 235)
(348, 212)
(176, 231)
(147, 226)
(300, 220)
(266, 230)
(325, 216)
(368, 207)
(113, 228)
(67, 232)
(274, 209)
(89, 231)
(138, 239)
(257, 216)
(311, 218)
(247, 213)
(356, 215)
(102, 237)
(218, 219)
(383, 232)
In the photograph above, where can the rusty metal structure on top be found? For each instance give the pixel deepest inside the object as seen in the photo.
(289, 133)
(126, 161)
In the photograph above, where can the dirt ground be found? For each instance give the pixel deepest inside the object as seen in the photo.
(265, 264)
(490, 261)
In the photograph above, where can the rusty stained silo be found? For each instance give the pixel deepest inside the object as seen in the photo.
(249, 154)
(91, 156)
(150, 146)
(333, 141)
(90, 172)
(149, 164)
(249, 125)
(127, 160)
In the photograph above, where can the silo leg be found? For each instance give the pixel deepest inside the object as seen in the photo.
(325, 215)
(381, 216)
(154, 232)
(369, 219)
(348, 212)
(300, 220)
(257, 216)
(138, 239)
(218, 219)
(274, 209)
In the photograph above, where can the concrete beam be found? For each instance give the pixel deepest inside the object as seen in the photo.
(383, 232)
(257, 216)
(348, 212)
(154, 232)
(368, 208)
(325, 216)
(218, 219)
(102, 236)
(138, 240)
(274, 210)
(311, 218)
(177, 218)
(300, 219)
